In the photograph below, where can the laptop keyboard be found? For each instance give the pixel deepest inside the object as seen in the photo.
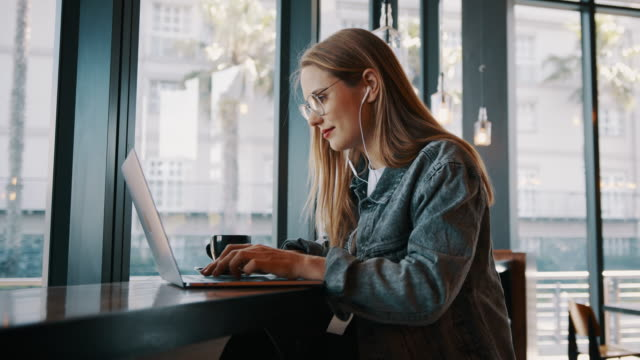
(228, 278)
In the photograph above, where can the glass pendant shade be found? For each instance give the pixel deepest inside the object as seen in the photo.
(482, 132)
(442, 107)
(386, 31)
(442, 104)
(391, 35)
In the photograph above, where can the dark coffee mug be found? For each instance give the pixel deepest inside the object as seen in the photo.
(219, 242)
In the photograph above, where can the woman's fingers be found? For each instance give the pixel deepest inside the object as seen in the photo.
(251, 267)
(255, 259)
(222, 264)
(239, 260)
(266, 266)
(209, 269)
(232, 247)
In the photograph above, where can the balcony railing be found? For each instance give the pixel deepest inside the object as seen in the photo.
(618, 204)
(555, 289)
(17, 283)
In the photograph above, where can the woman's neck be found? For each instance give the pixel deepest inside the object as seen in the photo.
(373, 154)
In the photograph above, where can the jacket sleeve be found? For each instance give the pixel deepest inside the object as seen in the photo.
(317, 248)
(447, 210)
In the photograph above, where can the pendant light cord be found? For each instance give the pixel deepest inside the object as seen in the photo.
(481, 69)
(482, 45)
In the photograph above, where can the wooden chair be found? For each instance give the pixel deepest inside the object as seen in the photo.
(514, 286)
(582, 321)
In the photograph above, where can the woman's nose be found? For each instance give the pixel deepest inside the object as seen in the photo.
(314, 120)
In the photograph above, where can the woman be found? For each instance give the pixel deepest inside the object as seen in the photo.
(405, 206)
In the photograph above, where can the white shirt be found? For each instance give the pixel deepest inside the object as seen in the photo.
(374, 176)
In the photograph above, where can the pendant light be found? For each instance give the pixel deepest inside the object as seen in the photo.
(482, 127)
(386, 31)
(442, 103)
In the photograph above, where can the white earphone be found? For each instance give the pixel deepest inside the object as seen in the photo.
(366, 93)
(364, 98)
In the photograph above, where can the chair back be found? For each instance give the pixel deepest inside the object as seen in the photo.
(583, 317)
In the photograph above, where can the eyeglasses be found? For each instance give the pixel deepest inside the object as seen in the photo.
(314, 103)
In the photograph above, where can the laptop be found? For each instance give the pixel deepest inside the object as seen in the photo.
(161, 249)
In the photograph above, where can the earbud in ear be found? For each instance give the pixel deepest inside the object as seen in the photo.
(365, 95)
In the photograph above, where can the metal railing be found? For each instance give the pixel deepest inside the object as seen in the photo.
(616, 204)
(18, 283)
(553, 290)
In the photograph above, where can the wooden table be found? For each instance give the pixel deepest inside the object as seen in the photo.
(629, 309)
(141, 317)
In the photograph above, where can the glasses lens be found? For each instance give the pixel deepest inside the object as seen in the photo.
(316, 105)
(304, 110)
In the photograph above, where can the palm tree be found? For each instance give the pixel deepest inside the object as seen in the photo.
(9, 262)
(616, 79)
(243, 39)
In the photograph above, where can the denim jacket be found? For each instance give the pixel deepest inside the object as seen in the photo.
(420, 277)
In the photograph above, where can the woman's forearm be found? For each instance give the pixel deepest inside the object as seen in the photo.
(312, 267)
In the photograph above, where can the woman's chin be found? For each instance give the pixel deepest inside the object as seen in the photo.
(336, 146)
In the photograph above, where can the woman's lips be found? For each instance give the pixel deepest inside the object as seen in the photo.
(327, 132)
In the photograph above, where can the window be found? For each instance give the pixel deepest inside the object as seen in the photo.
(409, 28)
(171, 18)
(158, 88)
(527, 113)
(614, 189)
(165, 181)
(618, 62)
(451, 58)
(172, 25)
(528, 182)
(204, 125)
(526, 58)
(342, 14)
(551, 192)
(610, 122)
(26, 72)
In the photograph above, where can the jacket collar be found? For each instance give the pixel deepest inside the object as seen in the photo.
(387, 184)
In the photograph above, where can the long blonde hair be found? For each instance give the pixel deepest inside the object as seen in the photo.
(402, 126)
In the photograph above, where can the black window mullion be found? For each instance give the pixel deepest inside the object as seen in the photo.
(125, 140)
(297, 27)
(592, 160)
(617, 10)
(430, 50)
(395, 12)
(81, 246)
(572, 5)
(374, 14)
(555, 4)
(109, 245)
(57, 252)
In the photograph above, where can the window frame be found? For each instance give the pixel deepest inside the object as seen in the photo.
(98, 46)
(595, 241)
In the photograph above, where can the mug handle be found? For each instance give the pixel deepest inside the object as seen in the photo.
(208, 250)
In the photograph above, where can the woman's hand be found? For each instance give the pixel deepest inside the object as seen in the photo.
(249, 259)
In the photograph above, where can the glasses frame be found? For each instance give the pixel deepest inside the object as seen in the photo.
(306, 109)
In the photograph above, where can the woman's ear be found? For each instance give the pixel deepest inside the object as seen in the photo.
(371, 79)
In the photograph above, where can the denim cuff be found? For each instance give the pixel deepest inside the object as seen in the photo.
(335, 279)
(336, 271)
(306, 246)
